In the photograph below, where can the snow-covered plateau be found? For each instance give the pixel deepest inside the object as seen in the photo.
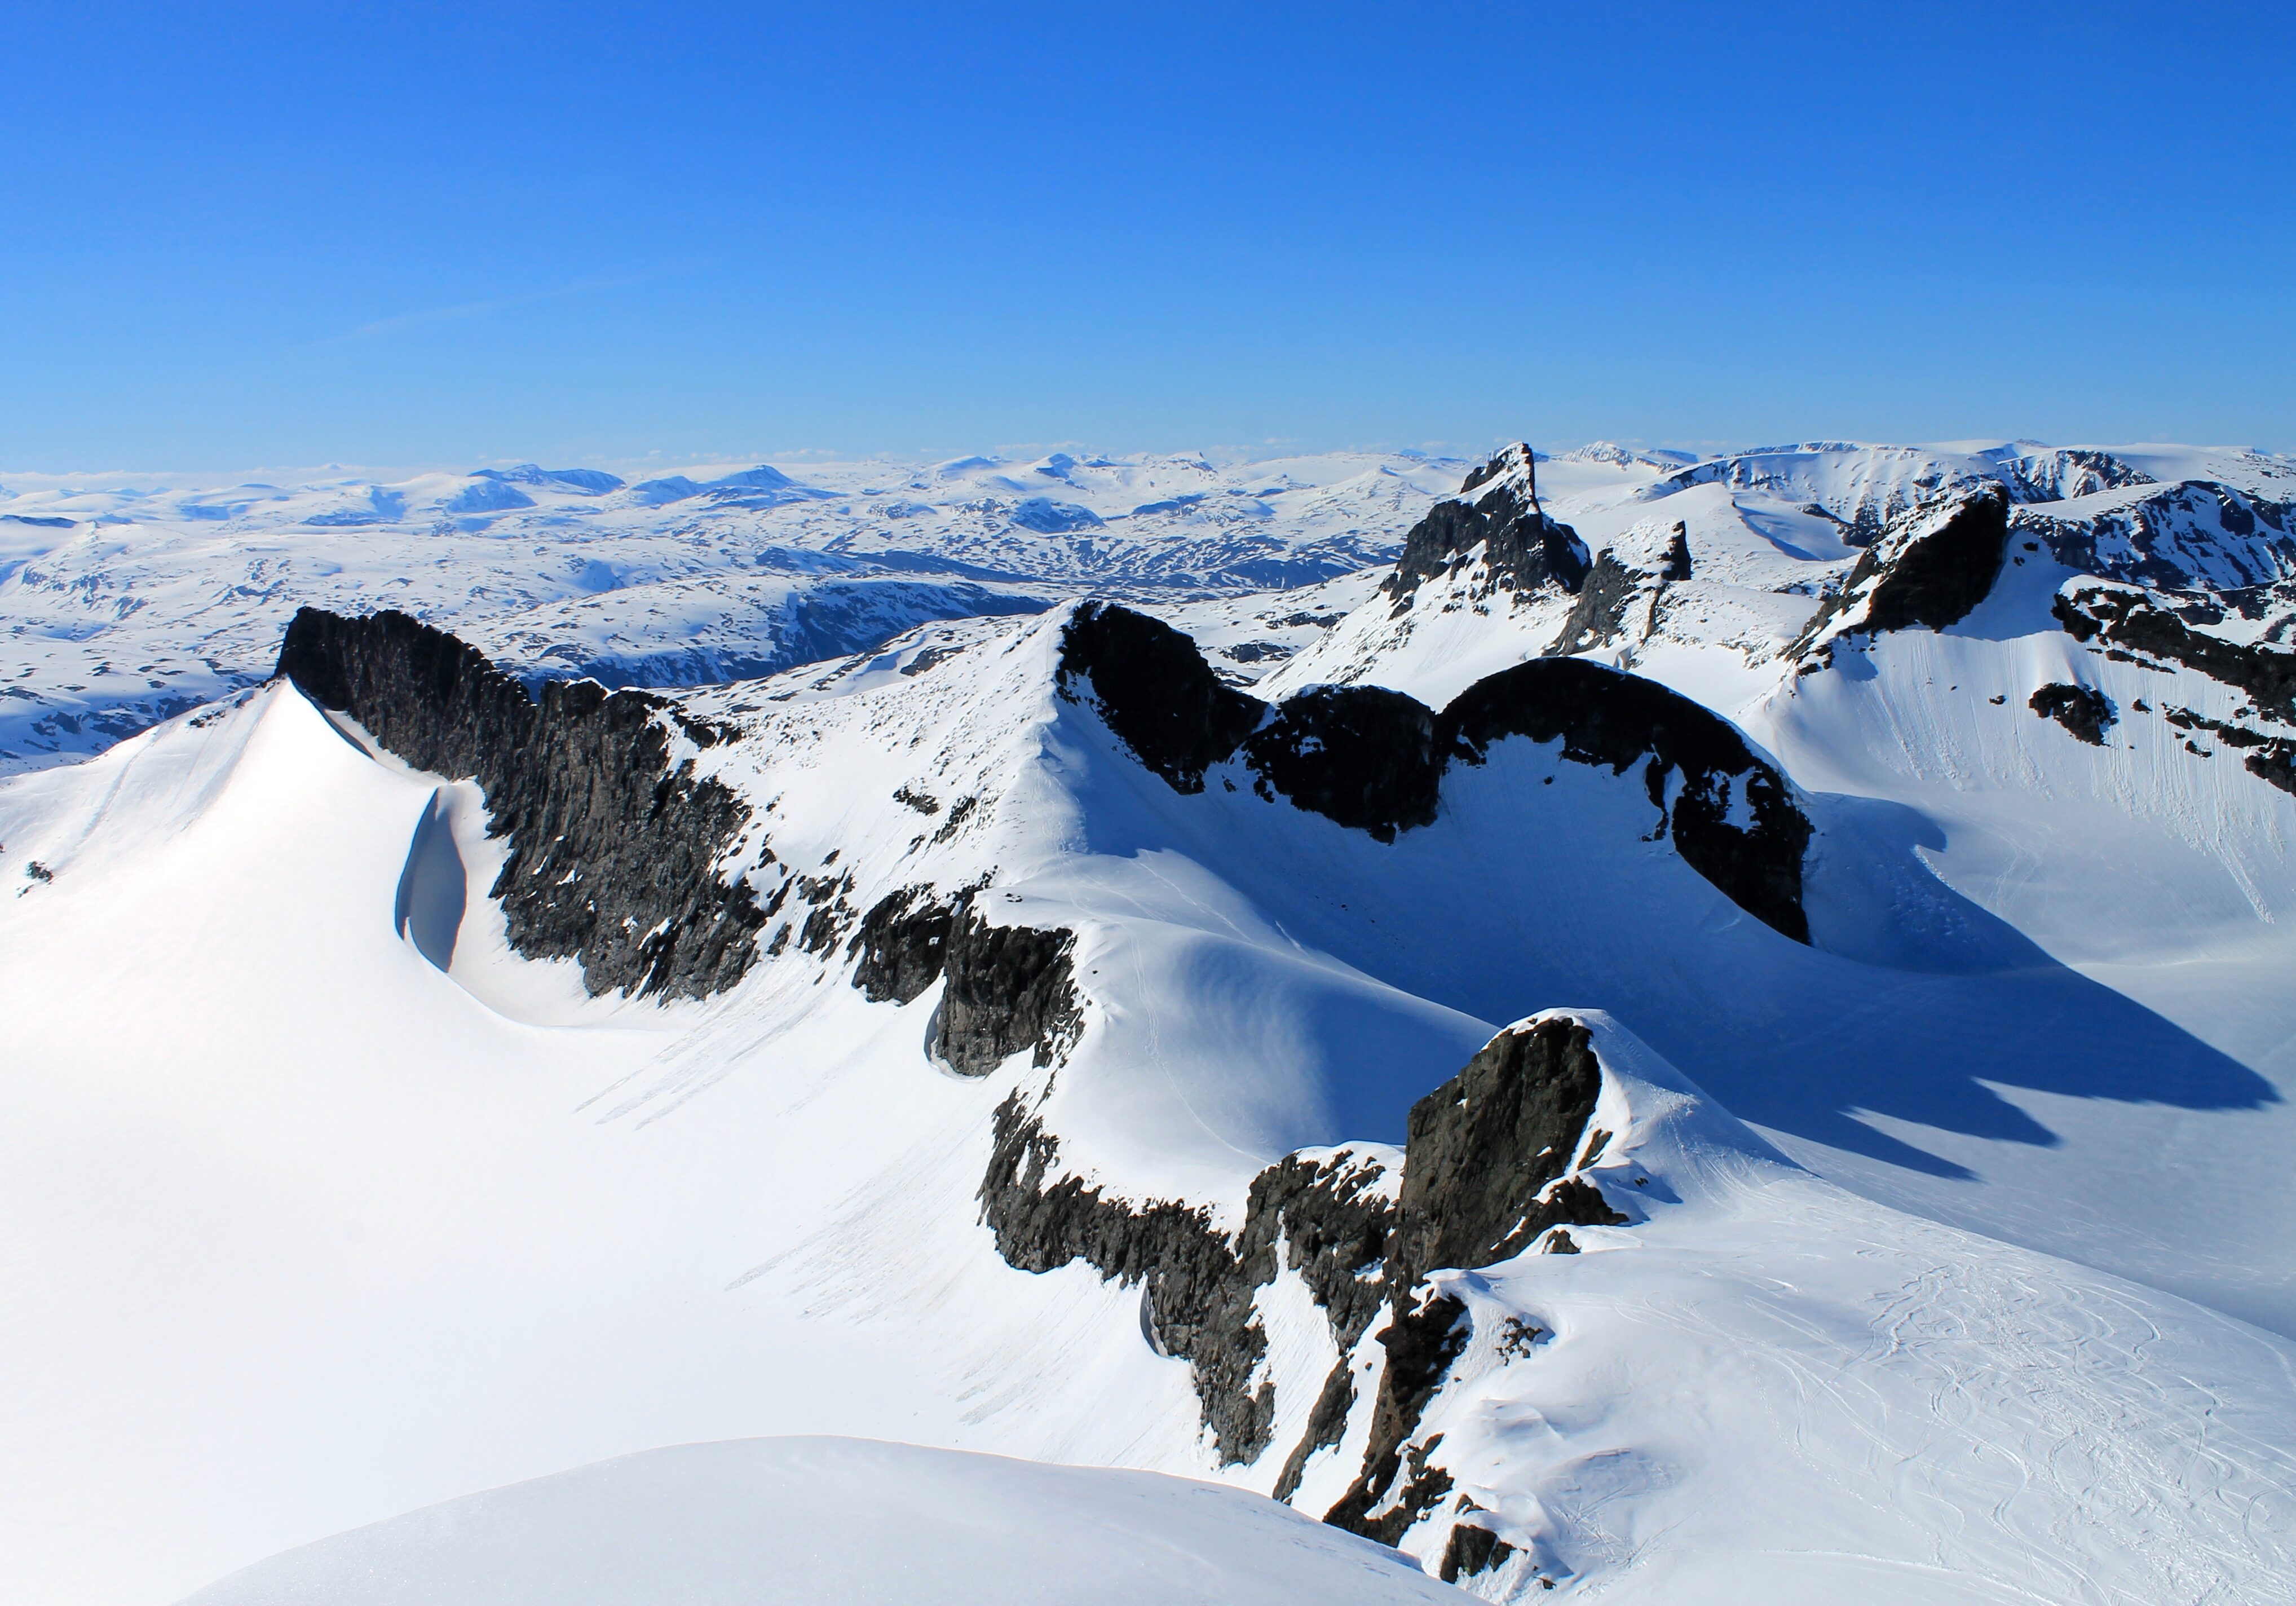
(1624, 1028)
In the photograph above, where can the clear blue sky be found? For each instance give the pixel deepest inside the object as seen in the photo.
(422, 234)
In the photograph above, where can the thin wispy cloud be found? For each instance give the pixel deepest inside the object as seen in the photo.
(381, 328)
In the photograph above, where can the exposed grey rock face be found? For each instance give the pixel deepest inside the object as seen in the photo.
(1523, 548)
(1374, 760)
(1613, 588)
(2083, 711)
(902, 945)
(1009, 987)
(612, 848)
(1198, 1283)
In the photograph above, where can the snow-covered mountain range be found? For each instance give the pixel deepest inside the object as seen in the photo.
(1650, 1027)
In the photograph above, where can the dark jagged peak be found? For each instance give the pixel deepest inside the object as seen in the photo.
(612, 846)
(1486, 1161)
(1520, 548)
(1930, 567)
(1156, 692)
(1517, 461)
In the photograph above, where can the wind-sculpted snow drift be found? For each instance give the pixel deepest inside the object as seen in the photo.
(1082, 1036)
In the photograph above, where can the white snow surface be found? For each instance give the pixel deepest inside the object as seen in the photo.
(324, 1207)
(802, 1521)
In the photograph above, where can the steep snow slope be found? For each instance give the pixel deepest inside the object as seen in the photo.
(498, 1227)
(798, 1521)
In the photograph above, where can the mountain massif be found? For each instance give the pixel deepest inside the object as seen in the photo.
(1651, 1026)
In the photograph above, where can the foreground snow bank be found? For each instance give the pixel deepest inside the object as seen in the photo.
(806, 1520)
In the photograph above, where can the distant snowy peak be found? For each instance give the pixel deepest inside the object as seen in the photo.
(1612, 453)
(586, 482)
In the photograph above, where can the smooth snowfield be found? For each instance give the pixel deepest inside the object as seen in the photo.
(806, 1521)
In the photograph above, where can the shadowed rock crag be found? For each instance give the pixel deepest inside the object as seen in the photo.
(1009, 987)
(1374, 760)
(1935, 565)
(1197, 1283)
(613, 844)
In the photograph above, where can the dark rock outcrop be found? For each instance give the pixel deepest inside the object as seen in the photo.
(1489, 1165)
(2082, 710)
(902, 943)
(1374, 760)
(1523, 548)
(2270, 758)
(1198, 1283)
(613, 848)
(1472, 1550)
(1734, 817)
(1930, 569)
(1361, 755)
(1937, 578)
(1009, 987)
(1156, 692)
(1485, 1165)
(1398, 1486)
(1598, 617)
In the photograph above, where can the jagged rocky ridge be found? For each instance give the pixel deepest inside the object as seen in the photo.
(613, 840)
(1491, 1163)
(1374, 759)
